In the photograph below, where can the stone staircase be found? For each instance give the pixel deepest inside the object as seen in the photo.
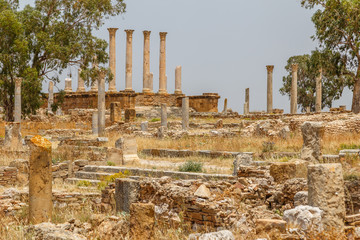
(94, 174)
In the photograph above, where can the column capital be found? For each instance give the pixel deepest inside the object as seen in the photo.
(129, 32)
(146, 33)
(270, 68)
(18, 80)
(162, 35)
(112, 30)
(294, 67)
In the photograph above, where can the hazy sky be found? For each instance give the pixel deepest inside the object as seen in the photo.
(223, 46)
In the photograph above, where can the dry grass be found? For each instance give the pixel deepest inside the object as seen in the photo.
(331, 143)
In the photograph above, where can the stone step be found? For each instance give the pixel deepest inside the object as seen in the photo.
(77, 180)
(150, 173)
(91, 175)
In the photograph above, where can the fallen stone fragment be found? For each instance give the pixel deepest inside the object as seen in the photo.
(221, 235)
(203, 192)
(304, 217)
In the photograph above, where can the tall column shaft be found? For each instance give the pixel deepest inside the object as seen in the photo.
(293, 97)
(151, 82)
(185, 113)
(163, 115)
(128, 76)
(101, 105)
(247, 101)
(17, 112)
(146, 61)
(51, 95)
(68, 87)
(270, 70)
(112, 58)
(225, 105)
(40, 180)
(81, 84)
(162, 65)
(178, 80)
(318, 102)
(94, 84)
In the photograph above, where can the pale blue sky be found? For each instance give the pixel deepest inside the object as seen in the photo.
(223, 46)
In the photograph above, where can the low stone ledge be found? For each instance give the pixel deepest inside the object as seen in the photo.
(157, 173)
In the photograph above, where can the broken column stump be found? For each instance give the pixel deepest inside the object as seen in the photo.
(40, 180)
(126, 193)
(312, 133)
(326, 191)
(142, 221)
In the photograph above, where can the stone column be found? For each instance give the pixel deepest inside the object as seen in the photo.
(225, 106)
(128, 76)
(185, 113)
(112, 58)
(94, 124)
(247, 101)
(81, 84)
(146, 62)
(51, 95)
(151, 82)
(293, 97)
(94, 84)
(178, 80)
(162, 68)
(68, 88)
(40, 180)
(142, 221)
(101, 105)
(326, 191)
(270, 69)
(17, 110)
(312, 134)
(126, 193)
(318, 102)
(163, 115)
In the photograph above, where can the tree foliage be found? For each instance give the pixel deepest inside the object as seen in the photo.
(309, 68)
(337, 24)
(38, 42)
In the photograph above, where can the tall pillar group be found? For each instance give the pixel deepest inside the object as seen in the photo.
(147, 78)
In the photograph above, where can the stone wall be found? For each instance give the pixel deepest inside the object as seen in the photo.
(208, 102)
(8, 176)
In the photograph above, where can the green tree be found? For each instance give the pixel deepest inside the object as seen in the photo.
(337, 24)
(38, 42)
(308, 70)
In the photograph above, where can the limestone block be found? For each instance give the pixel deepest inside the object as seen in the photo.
(115, 156)
(219, 124)
(126, 193)
(312, 133)
(144, 126)
(242, 160)
(267, 225)
(282, 171)
(220, 235)
(326, 191)
(13, 135)
(130, 115)
(115, 112)
(128, 146)
(306, 218)
(202, 192)
(142, 221)
(301, 198)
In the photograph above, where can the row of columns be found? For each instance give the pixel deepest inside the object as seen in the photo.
(293, 91)
(147, 75)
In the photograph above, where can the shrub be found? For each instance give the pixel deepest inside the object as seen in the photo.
(110, 163)
(191, 166)
(108, 179)
(155, 120)
(83, 183)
